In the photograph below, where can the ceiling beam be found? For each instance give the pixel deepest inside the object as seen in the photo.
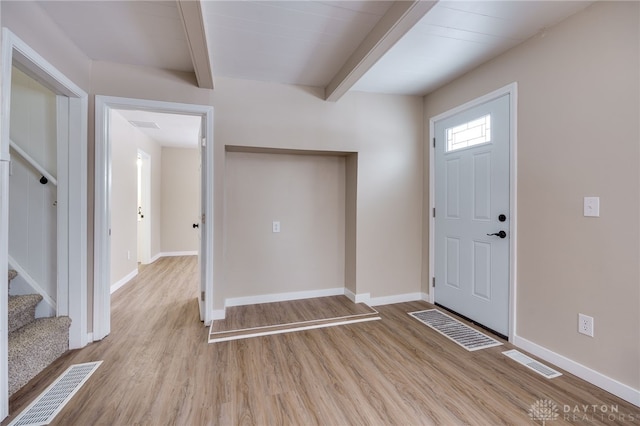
(193, 21)
(393, 25)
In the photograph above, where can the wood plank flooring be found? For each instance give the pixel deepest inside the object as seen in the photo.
(159, 370)
(289, 316)
(267, 314)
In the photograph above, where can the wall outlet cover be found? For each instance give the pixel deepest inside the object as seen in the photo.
(585, 325)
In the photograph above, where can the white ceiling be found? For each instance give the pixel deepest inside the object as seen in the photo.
(145, 33)
(312, 43)
(294, 42)
(339, 45)
(457, 36)
(175, 130)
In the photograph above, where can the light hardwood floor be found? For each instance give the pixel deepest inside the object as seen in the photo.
(277, 313)
(159, 370)
(295, 315)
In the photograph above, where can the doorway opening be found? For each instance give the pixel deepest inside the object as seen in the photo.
(71, 205)
(143, 114)
(155, 181)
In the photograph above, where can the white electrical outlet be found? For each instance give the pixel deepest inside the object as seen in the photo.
(585, 324)
(275, 226)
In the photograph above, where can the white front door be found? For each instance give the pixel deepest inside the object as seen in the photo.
(472, 213)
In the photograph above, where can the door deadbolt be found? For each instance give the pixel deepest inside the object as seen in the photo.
(502, 218)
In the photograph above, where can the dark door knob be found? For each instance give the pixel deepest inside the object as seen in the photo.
(500, 234)
(196, 225)
(502, 218)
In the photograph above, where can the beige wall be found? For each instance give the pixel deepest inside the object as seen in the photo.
(180, 199)
(385, 131)
(306, 194)
(578, 111)
(125, 142)
(351, 222)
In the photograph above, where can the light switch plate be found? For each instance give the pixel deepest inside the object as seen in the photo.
(592, 206)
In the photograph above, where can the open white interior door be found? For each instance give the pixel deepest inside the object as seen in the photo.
(203, 245)
(206, 219)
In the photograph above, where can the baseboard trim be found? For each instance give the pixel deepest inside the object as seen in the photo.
(282, 297)
(120, 283)
(217, 314)
(177, 253)
(357, 298)
(396, 298)
(172, 254)
(613, 386)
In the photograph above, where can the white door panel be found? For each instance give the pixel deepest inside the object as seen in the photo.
(472, 191)
(202, 252)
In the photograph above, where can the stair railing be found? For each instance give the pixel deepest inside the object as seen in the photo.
(46, 176)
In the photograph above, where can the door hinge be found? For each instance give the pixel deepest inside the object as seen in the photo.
(201, 296)
(434, 212)
(434, 142)
(202, 221)
(109, 231)
(434, 282)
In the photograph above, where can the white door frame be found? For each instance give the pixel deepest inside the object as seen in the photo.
(145, 188)
(72, 195)
(511, 90)
(102, 242)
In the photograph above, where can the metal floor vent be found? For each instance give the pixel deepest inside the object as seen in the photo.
(467, 337)
(532, 364)
(55, 397)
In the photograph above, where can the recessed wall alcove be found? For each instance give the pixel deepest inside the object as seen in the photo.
(312, 194)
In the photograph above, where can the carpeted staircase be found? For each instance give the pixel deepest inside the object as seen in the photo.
(33, 343)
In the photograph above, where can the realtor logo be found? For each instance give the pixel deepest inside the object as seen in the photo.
(543, 409)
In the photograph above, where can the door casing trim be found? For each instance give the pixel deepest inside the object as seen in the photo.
(512, 91)
(72, 194)
(102, 258)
